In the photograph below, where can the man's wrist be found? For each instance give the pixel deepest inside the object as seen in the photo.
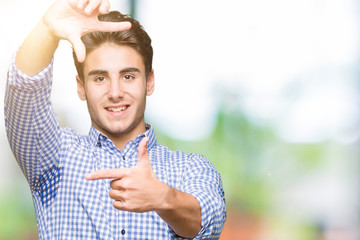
(48, 30)
(166, 199)
(181, 211)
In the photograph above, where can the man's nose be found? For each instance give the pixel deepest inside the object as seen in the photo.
(115, 90)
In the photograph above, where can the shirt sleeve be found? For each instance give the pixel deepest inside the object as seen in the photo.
(31, 125)
(203, 181)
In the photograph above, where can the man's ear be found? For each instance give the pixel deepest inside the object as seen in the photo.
(80, 88)
(150, 84)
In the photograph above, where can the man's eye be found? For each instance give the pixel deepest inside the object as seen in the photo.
(128, 77)
(100, 79)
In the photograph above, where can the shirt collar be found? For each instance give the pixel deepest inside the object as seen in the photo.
(95, 136)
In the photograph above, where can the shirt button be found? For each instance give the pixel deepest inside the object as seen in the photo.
(123, 157)
(99, 144)
(123, 232)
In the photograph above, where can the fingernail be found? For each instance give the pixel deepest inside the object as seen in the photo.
(102, 9)
(88, 176)
(126, 24)
(87, 10)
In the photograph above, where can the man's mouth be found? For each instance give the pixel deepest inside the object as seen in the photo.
(117, 109)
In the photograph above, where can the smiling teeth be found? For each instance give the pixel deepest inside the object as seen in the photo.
(118, 109)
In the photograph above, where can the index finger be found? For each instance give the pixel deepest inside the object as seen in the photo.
(105, 174)
(103, 26)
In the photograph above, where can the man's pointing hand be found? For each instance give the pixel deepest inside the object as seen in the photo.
(135, 189)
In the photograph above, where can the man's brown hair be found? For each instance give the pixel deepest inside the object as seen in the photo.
(135, 37)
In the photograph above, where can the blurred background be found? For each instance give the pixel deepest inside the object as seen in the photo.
(267, 90)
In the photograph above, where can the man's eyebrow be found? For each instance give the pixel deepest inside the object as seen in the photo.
(129, 69)
(97, 72)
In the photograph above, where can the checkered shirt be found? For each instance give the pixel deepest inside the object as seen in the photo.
(55, 160)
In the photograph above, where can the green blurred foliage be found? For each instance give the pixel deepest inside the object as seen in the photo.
(17, 215)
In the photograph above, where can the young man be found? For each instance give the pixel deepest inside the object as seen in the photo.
(117, 182)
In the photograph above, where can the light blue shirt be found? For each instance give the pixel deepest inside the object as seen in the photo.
(55, 160)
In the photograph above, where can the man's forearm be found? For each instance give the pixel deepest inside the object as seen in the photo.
(37, 50)
(182, 212)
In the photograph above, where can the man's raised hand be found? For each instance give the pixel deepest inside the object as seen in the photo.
(135, 189)
(72, 19)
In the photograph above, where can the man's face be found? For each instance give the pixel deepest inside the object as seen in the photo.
(115, 89)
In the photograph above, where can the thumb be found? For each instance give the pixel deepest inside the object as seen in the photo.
(79, 48)
(143, 153)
